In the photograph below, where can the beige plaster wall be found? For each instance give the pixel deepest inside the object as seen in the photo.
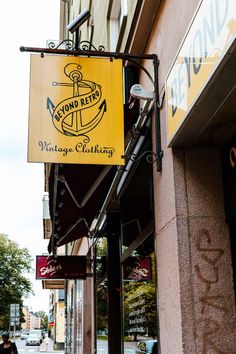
(101, 32)
(170, 27)
(60, 320)
(131, 5)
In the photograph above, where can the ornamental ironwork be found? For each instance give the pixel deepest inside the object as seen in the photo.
(69, 44)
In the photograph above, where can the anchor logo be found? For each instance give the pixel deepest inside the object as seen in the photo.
(67, 115)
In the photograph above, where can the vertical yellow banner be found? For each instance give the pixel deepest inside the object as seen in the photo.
(76, 110)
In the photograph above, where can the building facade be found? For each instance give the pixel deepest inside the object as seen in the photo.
(176, 210)
(26, 325)
(32, 321)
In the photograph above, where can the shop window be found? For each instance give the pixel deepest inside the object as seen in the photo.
(79, 299)
(139, 296)
(140, 313)
(138, 261)
(61, 295)
(229, 184)
(101, 289)
(70, 322)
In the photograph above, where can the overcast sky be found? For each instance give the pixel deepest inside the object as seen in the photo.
(28, 23)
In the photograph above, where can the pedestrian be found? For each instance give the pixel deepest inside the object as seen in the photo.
(7, 347)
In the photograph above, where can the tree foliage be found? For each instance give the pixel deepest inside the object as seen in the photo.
(102, 320)
(44, 319)
(15, 263)
(133, 293)
(101, 290)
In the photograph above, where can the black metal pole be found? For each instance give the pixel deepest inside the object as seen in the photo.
(87, 53)
(94, 255)
(159, 151)
(77, 35)
(114, 284)
(66, 308)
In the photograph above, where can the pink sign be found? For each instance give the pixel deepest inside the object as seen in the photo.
(138, 268)
(61, 267)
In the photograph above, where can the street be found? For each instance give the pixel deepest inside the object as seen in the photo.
(45, 347)
(129, 347)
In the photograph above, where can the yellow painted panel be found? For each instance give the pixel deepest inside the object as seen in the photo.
(210, 35)
(76, 110)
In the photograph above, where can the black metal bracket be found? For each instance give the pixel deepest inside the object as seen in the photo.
(151, 156)
(72, 48)
(69, 44)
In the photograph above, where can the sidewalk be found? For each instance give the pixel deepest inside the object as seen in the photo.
(47, 346)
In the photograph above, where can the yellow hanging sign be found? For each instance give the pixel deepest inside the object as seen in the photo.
(76, 110)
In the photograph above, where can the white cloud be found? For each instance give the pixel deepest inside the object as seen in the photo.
(29, 23)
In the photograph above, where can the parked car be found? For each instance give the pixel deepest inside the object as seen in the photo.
(38, 332)
(33, 339)
(23, 335)
(147, 346)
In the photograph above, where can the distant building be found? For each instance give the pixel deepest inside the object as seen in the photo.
(26, 325)
(35, 321)
(56, 317)
(32, 321)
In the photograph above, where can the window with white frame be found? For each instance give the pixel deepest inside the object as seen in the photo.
(117, 15)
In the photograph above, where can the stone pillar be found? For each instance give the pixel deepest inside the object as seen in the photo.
(195, 282)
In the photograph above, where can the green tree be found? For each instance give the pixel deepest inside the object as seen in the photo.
(101, 286)
(141, 296)
(15, 263)
(135, 292)
(102, 306)
(44, 319)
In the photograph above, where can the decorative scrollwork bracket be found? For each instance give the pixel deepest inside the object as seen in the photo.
(151, 156)
(69, 44)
